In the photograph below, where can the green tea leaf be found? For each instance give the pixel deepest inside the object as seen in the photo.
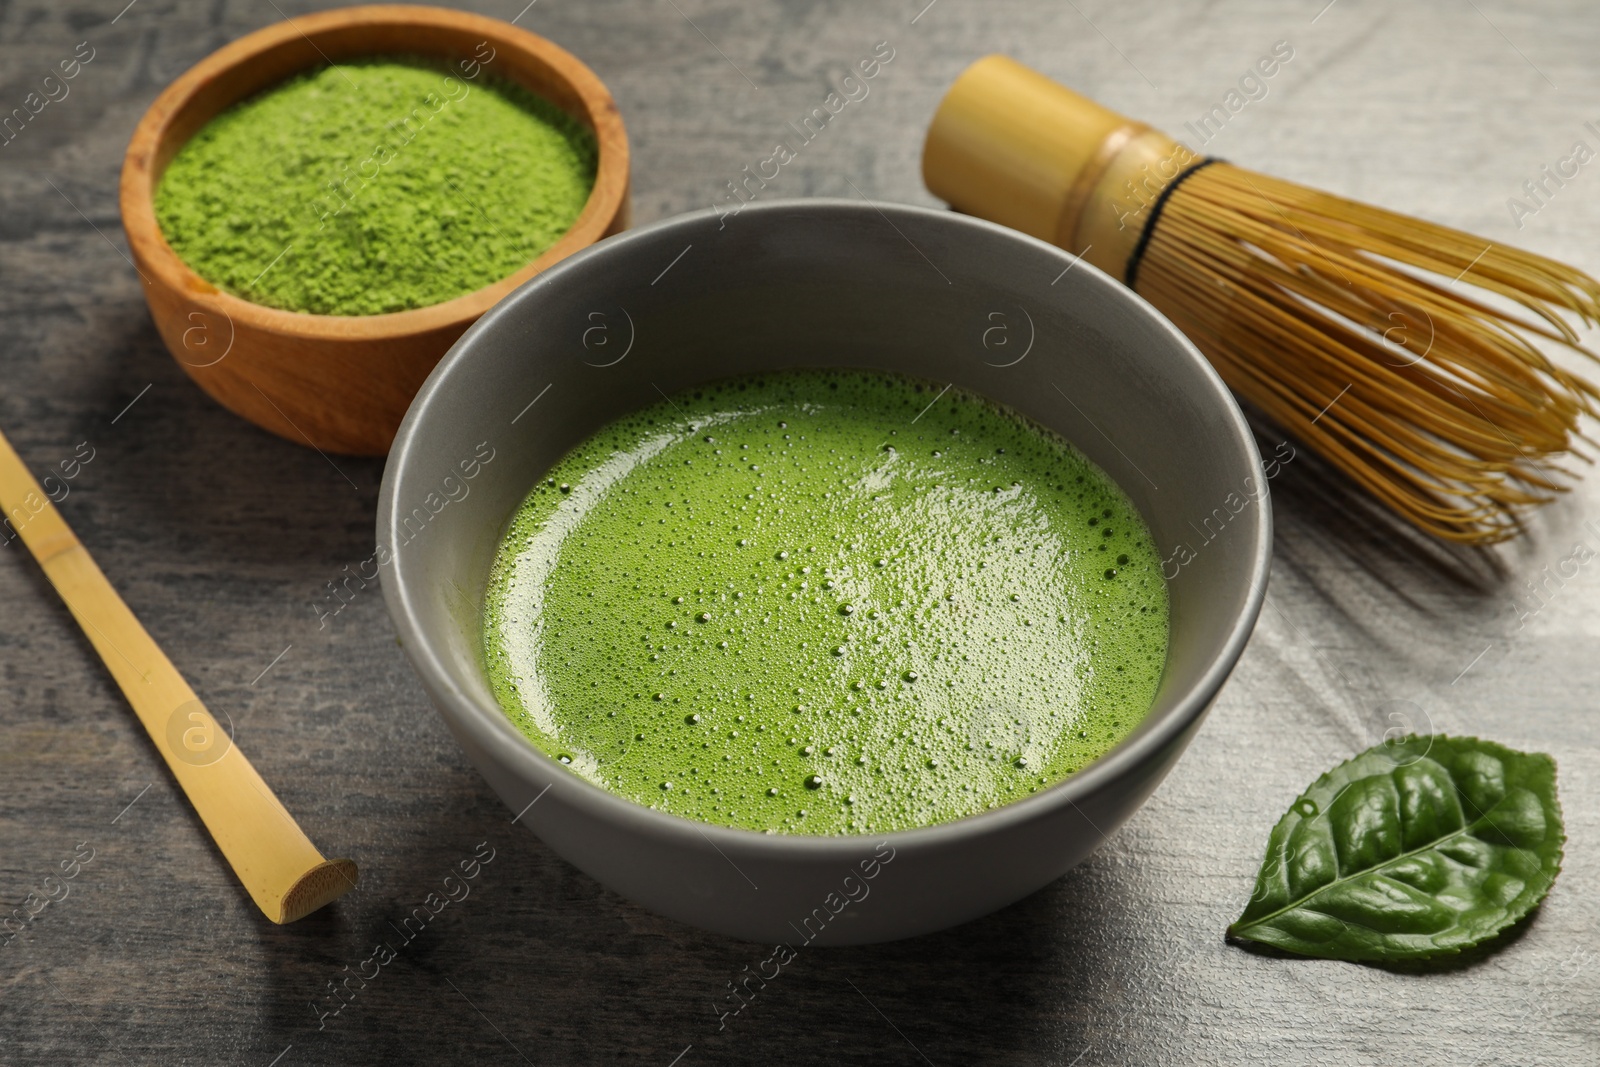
(1416, 848)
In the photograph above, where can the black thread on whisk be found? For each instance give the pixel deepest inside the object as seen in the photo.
(1130, 274)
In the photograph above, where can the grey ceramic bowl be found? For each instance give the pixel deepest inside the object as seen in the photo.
(821, 283)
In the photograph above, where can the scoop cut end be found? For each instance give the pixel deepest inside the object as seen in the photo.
(322, 884)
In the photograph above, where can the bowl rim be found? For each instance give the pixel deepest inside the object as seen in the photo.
(490, 728)
(607, 201)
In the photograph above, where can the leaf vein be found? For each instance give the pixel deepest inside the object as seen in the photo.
(1343, 879)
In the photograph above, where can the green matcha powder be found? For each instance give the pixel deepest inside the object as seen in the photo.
(375, 186)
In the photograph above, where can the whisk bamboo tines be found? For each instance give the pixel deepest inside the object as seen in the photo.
(1408, 354)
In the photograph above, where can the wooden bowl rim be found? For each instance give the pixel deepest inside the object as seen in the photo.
(137, 193)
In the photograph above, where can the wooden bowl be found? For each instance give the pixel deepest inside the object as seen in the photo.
(342, 383)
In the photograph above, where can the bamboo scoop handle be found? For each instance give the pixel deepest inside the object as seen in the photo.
(282, 870)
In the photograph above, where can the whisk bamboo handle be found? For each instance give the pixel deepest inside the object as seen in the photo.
(279, 866)
(1010, 145)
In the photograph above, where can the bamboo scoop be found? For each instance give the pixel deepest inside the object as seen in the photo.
(281, 869)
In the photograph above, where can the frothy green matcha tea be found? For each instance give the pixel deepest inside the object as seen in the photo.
(813, 602)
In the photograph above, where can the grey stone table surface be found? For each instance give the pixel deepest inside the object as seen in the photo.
(222, 538)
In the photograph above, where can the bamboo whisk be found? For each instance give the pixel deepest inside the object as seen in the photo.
(1404, 352)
